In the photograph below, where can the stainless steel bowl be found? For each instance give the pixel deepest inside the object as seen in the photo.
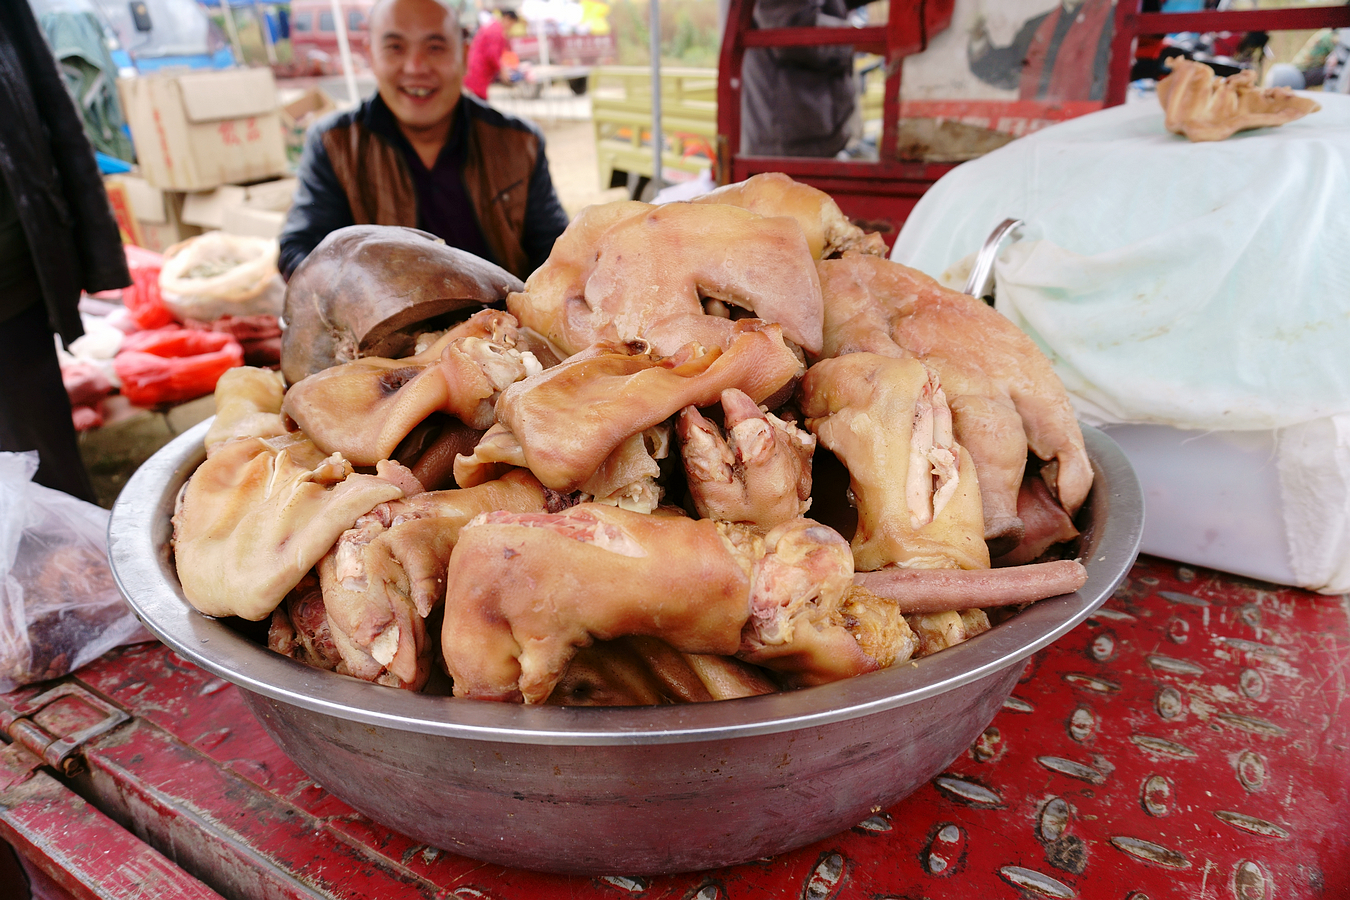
(644, 790)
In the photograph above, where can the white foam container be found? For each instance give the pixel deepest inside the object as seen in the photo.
(1210, 498)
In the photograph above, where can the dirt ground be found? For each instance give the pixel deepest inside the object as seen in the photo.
(571, 161)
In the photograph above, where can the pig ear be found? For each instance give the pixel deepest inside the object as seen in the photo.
(687, 252)
(255, 519)
(828, 231)
(366, 288)
(365, 409)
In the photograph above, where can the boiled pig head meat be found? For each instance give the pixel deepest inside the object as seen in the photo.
(367, 290)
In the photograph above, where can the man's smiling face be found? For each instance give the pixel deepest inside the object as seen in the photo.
(417, 55)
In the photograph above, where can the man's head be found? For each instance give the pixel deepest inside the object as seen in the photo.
(510, 17)
(417, 55)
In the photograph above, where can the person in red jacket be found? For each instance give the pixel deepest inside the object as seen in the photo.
(485, 53)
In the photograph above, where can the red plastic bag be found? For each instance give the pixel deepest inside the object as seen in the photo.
(260, 336)
(142, 299)
(170, 365)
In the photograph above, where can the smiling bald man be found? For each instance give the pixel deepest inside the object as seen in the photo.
(422, 153)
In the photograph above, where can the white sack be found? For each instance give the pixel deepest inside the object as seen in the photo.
(1201, 286)
(218, 274)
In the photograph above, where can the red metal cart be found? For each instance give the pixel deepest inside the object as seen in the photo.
(882, 192)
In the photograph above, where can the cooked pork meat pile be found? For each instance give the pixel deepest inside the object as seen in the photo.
(604, 494)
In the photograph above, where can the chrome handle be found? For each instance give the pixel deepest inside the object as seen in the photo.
(980, 282)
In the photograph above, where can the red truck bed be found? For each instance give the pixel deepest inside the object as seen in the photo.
(1189, 739)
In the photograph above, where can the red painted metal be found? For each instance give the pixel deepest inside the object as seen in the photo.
(77, 849)
(1131, 23)
(1189, 740)
(882, 192)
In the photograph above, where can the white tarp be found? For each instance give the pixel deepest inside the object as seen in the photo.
(1203, 286)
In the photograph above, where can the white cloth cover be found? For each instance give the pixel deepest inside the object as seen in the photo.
(1203, 286)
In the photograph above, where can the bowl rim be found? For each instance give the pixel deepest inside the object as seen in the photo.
(138, 544)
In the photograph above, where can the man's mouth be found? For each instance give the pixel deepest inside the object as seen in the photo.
(419, 92)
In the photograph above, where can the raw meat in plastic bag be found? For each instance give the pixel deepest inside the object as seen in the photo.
(59, 605)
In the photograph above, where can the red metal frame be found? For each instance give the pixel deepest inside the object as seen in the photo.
(1131, 23)
(880, 193)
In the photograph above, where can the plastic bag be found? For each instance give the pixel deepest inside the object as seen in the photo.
(59, 605)
(143, 299)
(260, 336)
(172, 364)
(86, 386)
(217, 274)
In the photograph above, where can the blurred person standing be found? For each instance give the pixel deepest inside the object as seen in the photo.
(798, 101)
(485, 53)
(421, 153)
(57, 237)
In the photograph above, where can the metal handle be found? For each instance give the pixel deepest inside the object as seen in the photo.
(980, 282)
(57, 750)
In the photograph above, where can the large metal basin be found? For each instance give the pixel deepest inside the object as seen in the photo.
(620, 790)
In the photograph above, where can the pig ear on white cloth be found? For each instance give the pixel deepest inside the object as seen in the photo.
(1219, 310)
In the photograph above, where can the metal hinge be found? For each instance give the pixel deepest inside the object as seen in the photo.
(57, 751)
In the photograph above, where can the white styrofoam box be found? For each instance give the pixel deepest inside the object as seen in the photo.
(1210, 498)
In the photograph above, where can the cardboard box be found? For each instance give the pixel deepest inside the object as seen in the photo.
(275, 196)
(301, 112)
(197, 130)
(127, 227)
(246, 220)
(207, 208)
(157, 214)
(211, 209)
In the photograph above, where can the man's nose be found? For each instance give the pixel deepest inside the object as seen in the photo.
(416, 61)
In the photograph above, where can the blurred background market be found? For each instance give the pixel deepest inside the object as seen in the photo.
(580, 69)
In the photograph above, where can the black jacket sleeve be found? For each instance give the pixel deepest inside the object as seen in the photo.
(319, 208)
(97, 240)
(545, 217)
